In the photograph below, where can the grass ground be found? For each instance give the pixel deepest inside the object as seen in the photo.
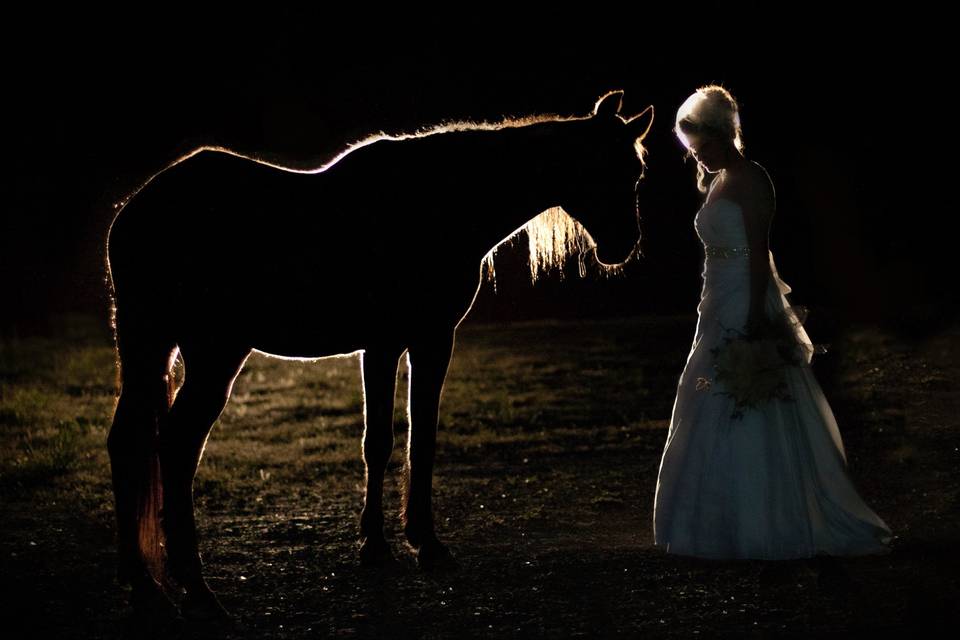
(550, 439)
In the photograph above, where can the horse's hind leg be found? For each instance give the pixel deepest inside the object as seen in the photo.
(379, 369)
(144, 400)
(209, 377)
(429, 361)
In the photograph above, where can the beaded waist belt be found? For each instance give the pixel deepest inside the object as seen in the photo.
(727, 252)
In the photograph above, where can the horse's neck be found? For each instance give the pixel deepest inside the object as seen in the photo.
(517, 177)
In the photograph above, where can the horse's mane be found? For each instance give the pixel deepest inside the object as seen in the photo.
(552, 236)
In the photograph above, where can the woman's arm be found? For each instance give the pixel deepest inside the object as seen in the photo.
(758, 200)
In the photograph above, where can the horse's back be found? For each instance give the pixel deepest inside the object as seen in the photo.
(222, 243)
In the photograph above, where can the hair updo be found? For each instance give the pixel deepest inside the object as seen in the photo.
(710, 111)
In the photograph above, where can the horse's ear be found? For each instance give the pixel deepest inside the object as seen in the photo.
(609, 105)
(640, 124)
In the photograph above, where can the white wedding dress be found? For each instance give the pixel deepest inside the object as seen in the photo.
(771, 484)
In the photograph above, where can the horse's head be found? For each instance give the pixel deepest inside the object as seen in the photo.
(606, 169)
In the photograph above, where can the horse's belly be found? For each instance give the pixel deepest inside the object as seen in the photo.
(306, 338)
(304, 350)
(311, 332)
(318, 312)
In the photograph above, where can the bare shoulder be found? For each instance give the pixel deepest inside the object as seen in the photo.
(758, 180)
(754, 187)
(754, 190)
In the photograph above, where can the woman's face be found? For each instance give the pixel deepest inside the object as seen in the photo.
(708, 151)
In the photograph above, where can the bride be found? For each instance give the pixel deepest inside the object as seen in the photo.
(767, 481)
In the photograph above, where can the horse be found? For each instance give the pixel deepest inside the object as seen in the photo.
(375, 252)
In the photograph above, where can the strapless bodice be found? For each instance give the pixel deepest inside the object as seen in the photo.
(721, 229)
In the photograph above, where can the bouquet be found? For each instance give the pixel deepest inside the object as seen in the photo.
(753, 368)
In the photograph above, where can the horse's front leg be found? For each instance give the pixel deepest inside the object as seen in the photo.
(379, 369)
(429, 361)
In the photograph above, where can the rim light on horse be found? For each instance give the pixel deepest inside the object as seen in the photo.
(376, 252)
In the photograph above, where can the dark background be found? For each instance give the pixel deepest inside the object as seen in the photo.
(848, 114)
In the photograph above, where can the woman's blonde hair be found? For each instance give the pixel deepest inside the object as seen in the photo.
(710, 111)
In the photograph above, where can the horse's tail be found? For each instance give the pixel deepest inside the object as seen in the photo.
(145, 382)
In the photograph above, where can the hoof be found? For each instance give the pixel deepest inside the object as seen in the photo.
(375, 552)
(434, 556)
(154, 616)
(202, 607)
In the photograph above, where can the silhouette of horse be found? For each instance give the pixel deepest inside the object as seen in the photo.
(378, 252)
